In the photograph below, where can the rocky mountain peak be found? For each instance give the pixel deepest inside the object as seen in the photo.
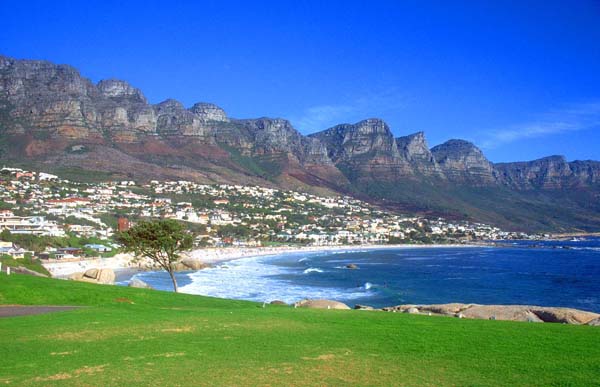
(372, 126)
(369, 136)
(169, 105)
(547, 172)
(414, 149)
(413, 144)
(209, 112)
(463, 162)
(117, 89)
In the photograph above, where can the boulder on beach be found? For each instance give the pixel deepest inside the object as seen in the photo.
(96, 276)
(504, 312)
(595, 322)
(447, 309)
(76, 276)
(501, 312)
(277, 302)
(138, 283)
(564, 315)
(321, 304)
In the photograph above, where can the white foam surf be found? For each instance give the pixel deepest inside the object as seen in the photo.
(254, 279)
(312, 270)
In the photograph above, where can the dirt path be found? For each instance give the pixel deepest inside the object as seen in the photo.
(20, 310)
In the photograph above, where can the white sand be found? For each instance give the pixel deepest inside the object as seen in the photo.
(214, 255)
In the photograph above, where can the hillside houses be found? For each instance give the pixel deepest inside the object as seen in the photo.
(225, 214)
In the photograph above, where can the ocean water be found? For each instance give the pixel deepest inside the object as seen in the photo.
(536, 273)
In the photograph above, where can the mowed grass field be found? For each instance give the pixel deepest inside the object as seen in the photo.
(138, 337)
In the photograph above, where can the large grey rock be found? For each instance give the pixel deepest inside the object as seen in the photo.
(321, 304)
(194, 264)
(501, 312)
(138, 283)
(564, 315)
(447, 309)
(595, 322)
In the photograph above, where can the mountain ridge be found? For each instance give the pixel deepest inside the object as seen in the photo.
(50, 114)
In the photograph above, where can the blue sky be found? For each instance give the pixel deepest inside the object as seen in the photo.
(521, 81)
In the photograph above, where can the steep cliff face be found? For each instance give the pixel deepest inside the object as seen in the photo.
(48, 110)
(553, 172)
(463, 163)
(209, 112)
(51, 114)
(365, 151)
(268, 135)
(41, 101)
(414, 149)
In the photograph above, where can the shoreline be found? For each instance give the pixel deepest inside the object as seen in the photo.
(125, 262)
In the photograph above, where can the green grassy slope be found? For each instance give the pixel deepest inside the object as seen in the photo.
(150, 338)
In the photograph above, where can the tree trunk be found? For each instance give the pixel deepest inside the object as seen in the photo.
(172, 274)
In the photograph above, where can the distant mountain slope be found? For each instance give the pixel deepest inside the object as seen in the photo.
(52, 116)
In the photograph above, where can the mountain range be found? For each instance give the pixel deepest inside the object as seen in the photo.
(53, 118)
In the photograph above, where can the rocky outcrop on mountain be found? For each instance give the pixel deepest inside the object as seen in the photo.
(268, 135)
(464, 163)
(50, 114)
(209, 112)
(553, 172)
(414, 149)
(365, 151)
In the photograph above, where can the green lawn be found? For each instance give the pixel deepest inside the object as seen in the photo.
(142, 337)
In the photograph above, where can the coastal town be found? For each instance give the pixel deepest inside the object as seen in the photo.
(76, 220)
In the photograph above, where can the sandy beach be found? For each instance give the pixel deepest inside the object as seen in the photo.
(120, 262)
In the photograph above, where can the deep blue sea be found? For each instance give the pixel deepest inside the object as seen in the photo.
(560, 273)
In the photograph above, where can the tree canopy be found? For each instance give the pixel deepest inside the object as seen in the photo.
(160, 241)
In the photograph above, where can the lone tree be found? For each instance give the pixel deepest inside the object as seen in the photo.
(160, 241)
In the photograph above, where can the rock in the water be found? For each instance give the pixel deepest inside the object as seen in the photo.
(321, 304)
(138, 283)
(351, 266)
(363, 307)
(277, 302)
(194, 264)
